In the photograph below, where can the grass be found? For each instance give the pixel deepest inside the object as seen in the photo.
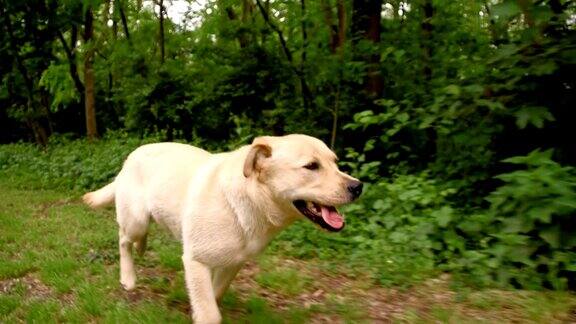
(58, 263)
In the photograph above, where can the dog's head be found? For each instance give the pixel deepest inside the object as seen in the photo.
(302, 175)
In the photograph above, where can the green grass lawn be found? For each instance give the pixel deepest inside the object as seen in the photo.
(58, 263)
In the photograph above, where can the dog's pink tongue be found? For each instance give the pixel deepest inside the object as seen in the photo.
(331, 216)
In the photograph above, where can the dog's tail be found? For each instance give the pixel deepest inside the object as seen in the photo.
(101, 197)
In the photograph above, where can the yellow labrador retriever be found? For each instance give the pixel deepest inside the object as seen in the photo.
(224, 207)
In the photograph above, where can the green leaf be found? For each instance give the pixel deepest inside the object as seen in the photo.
(427, 121)
(533, 115)
(443, 216)
(452, 89)
(398, 237)
(551, 235)
(506, 9)
(403, 117)
(547, 67)
(474, 223)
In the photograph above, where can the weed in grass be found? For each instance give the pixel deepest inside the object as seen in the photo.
(144, 312)
(346, 308)
(14, 269)
(286, 281)
(259, 311)
(43, 311)
(61, 274)
(177, 294)
(92, 301)
(8, 304)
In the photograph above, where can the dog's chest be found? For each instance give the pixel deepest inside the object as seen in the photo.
(253, 245)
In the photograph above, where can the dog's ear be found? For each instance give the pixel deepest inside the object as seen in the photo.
(259, 150)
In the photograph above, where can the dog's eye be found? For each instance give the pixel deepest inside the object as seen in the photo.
(312, 166)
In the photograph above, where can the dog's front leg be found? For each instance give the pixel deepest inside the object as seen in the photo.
(200, 291)
(222, 278)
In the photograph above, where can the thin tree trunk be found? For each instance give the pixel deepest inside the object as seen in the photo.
(427, 39)
(40, 135)
(242, 37)
(162, 49)
(123, 18)
(496, 38)
(303, 54)
(72, 67)
(336, 45)
(332, 28)
(304, 35)
(335, 116)
(90, 102)
(267, 9)
(366, 25)
(114, 26)
(305, 89)
(341, 10)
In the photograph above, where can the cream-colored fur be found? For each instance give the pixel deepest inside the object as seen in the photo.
(224, 207)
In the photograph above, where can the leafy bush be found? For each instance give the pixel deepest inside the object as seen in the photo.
(387, 231)
(407, 227)
(70, 164)
(532, 229)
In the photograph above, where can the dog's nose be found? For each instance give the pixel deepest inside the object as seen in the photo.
(355, 188)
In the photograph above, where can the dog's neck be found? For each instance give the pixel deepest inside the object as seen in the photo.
(250, 201)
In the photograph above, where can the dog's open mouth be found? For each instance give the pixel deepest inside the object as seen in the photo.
(325, 216)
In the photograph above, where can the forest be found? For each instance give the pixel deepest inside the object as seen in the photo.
(455, 114)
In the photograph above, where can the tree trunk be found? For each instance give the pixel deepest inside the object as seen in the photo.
(428, 10)
(124, 20)
(305, 89)
(89, 100)
(71, 56)
(337, 29)
(341, 10)
(243, 39)
(366, 25)
(494, 30)
(303, 54)
(39, 132)
(161, 40)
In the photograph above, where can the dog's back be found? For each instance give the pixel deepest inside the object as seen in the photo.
(152, 182)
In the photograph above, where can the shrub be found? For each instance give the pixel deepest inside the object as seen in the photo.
(67, 164)
(533, 230)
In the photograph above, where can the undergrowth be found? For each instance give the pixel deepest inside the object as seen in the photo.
(403, 230)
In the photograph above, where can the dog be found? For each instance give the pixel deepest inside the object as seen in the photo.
(224, 207)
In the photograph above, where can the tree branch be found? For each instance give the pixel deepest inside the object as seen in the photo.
(305, 89)
(72, 65)
(124, 20)
(275, 28)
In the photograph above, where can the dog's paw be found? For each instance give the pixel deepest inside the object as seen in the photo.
(128, 285)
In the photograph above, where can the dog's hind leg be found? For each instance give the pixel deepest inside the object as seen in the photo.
(140, 245)
(133, 230)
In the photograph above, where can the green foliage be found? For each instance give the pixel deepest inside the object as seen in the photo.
(56, 79)
(67, 164)
(533, 223)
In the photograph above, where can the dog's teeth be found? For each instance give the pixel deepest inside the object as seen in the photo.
(309, 205)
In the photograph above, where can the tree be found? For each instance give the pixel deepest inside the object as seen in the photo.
(366, 26)
(89, 95)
